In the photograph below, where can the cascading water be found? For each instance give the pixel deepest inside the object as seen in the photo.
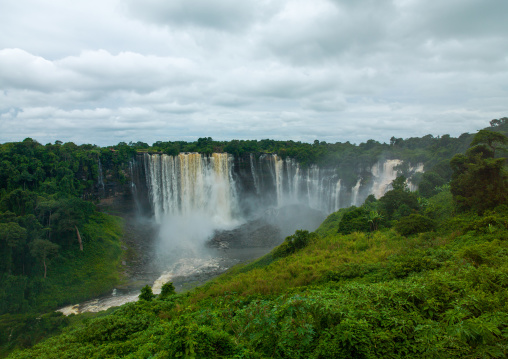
(134, 189)
(192, 183)
(337, 195)
(314, 187)
(354, 192)
(100, 178)
(384, 173)
(255, 177)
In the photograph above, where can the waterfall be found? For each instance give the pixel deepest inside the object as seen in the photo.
(192, 183)
(278, 167)
(384, 173)
(312, 186)
(254, 174)
(336, 196)
(100, 177)
(354, 192)
(134, 189)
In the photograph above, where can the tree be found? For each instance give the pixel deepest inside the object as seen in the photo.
(413, 224)
(146, 293)
(399, 201)
(44, 250)
(399, 183)
(479, 180)
(497, 123)
(168, 289)
(490, 138)
(429, 184)
(12, 236)
(294, 243)
(374, 217)
(354, 221)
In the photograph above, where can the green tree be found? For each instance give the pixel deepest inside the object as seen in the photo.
(354, 221)
(490, 138)
(146, 293)
(413, 224)
(429, 184)
(374, 218)
(44, 250)
(293, 243)
(399, 201)
(399, 183)
(168, 289)
(12, 236)
(479, 180)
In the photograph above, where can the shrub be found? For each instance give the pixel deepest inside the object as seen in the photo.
(293, 243)
(146, 293)
(168, 289)
(413, 224)
(354, 221)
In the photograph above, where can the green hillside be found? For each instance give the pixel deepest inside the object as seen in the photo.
(406, 276)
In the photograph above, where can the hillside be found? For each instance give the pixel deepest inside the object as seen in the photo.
(402, 276)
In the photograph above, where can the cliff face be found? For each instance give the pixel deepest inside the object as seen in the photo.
(240, 186)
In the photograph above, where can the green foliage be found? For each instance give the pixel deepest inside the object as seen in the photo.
(356, 220)
(146, 293)
(293, 243)
(492, 139)
(399, 202)
(43, 250)
(18, 331)
(430, 183)
(419, 297)
(366, 294)
(42, 207)
(72, 275)
(399, 184)
(479, 181)
(167, 290)
(413, 224)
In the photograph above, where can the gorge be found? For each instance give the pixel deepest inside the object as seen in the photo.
(208, 212)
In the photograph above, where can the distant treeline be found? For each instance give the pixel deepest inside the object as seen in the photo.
(428, 149)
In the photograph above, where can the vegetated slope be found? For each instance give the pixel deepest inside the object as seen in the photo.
(55, 248)
(73, 276)
(419, 281)
(403, 276)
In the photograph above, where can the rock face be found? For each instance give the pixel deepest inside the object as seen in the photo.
(252, 183)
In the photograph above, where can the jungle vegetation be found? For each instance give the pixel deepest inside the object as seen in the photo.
(412, 274)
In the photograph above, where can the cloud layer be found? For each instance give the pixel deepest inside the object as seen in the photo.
(335, 70)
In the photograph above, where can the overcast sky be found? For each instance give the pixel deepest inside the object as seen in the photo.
(105, 71)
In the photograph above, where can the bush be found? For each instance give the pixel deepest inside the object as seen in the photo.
(146, 293)
(293, 243)
(413, 224)
(354, 221)
(168, 289)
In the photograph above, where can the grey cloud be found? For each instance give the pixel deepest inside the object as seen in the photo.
(335, 30)
(336, 70)
(225, 15)
(460, 18)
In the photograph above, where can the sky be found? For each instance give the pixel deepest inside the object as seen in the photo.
(105, 71)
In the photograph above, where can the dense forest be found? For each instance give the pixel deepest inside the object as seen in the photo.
(412, 274)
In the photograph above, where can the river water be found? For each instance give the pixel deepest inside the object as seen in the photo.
(188, 268)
